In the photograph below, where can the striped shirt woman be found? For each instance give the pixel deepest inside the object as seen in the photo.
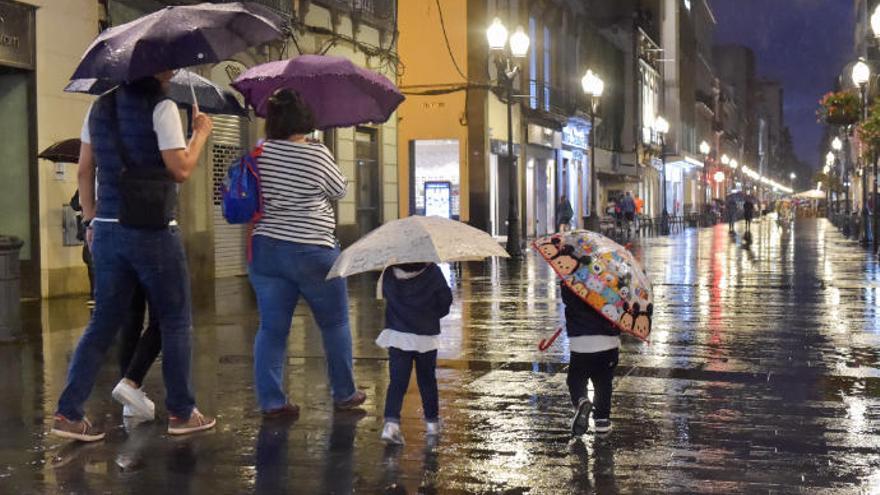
(293, 250)
(299, 180)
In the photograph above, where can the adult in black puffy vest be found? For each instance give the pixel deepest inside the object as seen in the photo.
(147, 124)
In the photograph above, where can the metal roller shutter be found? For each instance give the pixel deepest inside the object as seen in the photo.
(230, 241)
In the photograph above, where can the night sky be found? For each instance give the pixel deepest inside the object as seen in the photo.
(803, 43)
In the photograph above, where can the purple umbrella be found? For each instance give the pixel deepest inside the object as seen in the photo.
(339, 93)
(177, 37)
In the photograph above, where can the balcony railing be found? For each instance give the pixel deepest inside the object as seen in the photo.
(379, 12)
(282, 7)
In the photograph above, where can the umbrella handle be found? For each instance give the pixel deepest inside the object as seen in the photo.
(546, 343)
(192, 90)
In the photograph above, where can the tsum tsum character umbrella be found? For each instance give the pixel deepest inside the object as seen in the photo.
(603, 274)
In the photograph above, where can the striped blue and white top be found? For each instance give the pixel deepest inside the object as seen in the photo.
(299, 181)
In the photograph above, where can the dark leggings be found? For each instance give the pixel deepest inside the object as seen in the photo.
(138, 347)
(597, 367)
(400, 365)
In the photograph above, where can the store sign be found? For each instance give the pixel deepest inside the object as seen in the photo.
(17, 35)
(544, 136)
(575, 136)
(438, 199)
(498, 147)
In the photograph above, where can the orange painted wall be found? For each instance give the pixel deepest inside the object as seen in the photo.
(426, 61)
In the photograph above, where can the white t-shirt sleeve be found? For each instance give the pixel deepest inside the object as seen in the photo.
(166, 123)
(84, 135)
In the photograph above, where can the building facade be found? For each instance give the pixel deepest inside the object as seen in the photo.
(36, 73)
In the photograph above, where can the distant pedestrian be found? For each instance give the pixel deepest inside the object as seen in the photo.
(416, 298)
(594, 343)
(748, 213)
(628, 208)
(564, 213)
(640, 207)
(730, 208)
(294, 247)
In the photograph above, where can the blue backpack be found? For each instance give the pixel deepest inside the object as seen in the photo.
(242, 200)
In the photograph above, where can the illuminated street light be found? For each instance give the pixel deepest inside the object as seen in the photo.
(875, 21)
(725, 159)
(507, 68)
(705, 148)
(861, 73)
(593, 86)
(519, 43)
(734, 164)
(837, 144)
(497, 35)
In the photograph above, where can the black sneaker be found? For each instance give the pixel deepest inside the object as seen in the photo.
(580, 423)
(602, 425)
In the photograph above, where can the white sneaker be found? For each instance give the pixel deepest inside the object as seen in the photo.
(432, 428)
(391, 433)
(135, 401)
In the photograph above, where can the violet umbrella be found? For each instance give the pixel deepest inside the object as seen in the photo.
(339, 93)
(177, 37)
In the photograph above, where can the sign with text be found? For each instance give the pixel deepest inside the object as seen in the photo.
(17, 35)
(438, 199)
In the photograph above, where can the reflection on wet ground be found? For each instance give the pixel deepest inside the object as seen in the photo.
(762, 376)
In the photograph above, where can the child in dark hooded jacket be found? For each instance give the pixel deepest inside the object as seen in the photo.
(417, 297)
(594, 343)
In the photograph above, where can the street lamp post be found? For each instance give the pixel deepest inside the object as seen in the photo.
(725, 160)
(837, 145)
(661, 127)
(704, 150)
(829, 166)
(732, 174)
(507, 51)
(593, 87)
(861, 75)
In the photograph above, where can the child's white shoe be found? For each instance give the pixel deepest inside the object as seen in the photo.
(432, 428)
(391, 433)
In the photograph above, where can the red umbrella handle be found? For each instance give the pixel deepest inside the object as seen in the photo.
(546, 343)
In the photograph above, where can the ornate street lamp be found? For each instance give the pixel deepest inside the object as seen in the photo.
(861, 76)
(507, 52)
(593, 87)
(705, 149)
(661, 127)
(837, 146)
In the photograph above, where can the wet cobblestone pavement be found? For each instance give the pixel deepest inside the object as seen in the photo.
(763, 376)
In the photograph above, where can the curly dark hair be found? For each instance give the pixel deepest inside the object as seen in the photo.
(288, 115)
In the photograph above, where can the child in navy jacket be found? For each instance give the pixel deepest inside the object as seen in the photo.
(594, 343)
(417, 297)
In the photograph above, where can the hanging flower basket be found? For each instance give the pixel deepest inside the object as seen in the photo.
(839, 108)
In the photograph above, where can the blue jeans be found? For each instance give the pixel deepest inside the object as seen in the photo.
(280, 272)
(125, 258)
(400, 365)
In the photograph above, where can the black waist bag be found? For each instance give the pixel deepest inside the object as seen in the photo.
(147, 194)
(147, 197)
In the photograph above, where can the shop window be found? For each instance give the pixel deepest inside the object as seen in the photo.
(434, 181)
